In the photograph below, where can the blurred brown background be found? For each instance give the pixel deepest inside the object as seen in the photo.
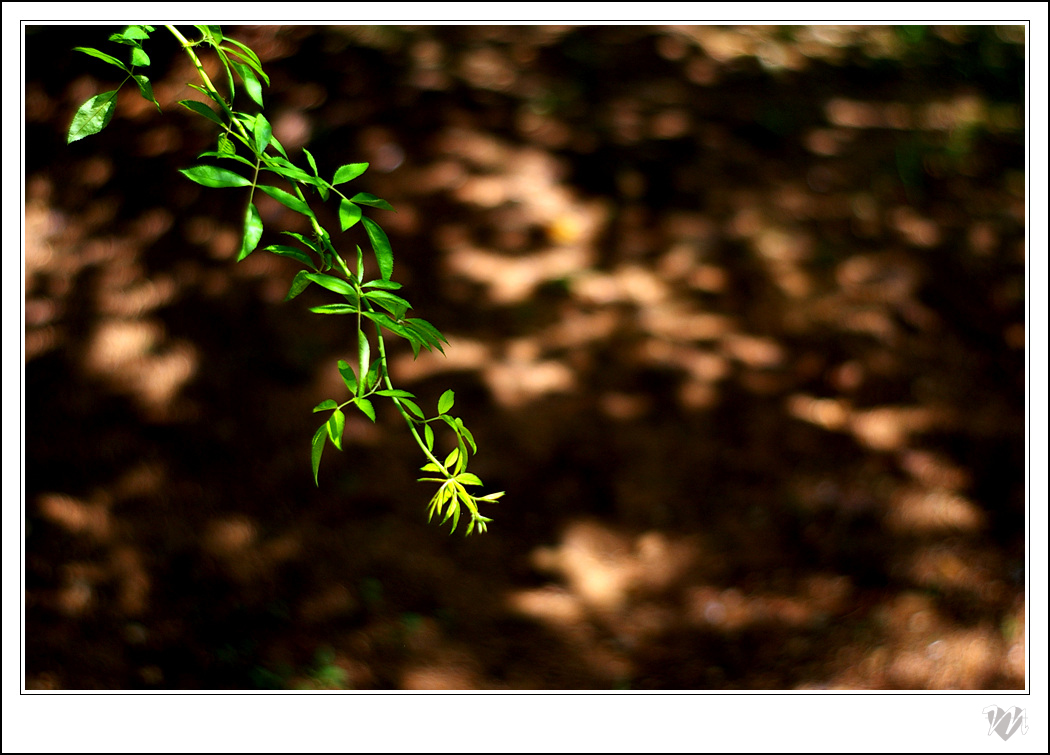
(736, 316)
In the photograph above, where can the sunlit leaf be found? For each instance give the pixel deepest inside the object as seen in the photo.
(139, 57)
(335, 428)
(253, 228)
(349, 214)
(381, 246)
(348, 172)
(215, 178)
(288, 200)
(201, 109)
(102, 56)
(251, 83)
(289, 251)
(332, 283)
(371, 200)
(146, 89)
(452, 458)
(262, 133)
(326, 404)
(389, 285)
(334, 309)
(366, 406)
(347, 373)
(317, 448)
(448, 398)
(467, 478)
(428, 437)
(93, 116)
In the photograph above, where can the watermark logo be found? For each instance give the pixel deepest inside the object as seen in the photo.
(1006, 722)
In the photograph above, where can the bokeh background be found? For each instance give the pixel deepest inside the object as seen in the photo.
(736, 315)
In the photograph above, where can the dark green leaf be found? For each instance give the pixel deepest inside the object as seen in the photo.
(216, 178)
(317, 448)
(93, 116)
(349, 377)
(373, 375)
(299, 284)
(335, 426)
(381, 246)
(348, 172)
(332, 283)
(201, 109)
(228, 156)
(262, 133)
(371, 200)
(102, 56)
(249, 56)
(253, 228)
(289, 201)
(289, 251)
(349, 214)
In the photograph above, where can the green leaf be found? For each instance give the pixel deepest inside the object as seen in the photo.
(389, 285)
(428, 437)
(93, 116)
(251, 83)
(448, 398)
(373, 375)
(413, 407)
(289, 251)
(396, 393)
(201, 109)
(465, 433)
(381, 246)
(225, 147)
(299, 284)
(371, 200)
(102, 56)
(390, 302)
(360, 264)
(316, 449)
(347, 372)
(146, 89)
(326, 404)
(349, 214)
(348, 172)
(334, 309)
(366, 406)
(137, 32)
(139, 56)
(430, 467)
(282, 167)
(363, 357)
(332, 283)
(452, 458)
(289, 201)
(249, 56)
(335, 428)
(216, 178)
(389, 323)
(253, 228)
(467, 478)
(262, 133)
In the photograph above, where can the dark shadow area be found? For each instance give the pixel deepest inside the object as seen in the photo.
(736, 316)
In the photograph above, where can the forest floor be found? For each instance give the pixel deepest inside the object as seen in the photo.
(736, 316)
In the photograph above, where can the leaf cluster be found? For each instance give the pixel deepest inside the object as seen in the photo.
(248, 156)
